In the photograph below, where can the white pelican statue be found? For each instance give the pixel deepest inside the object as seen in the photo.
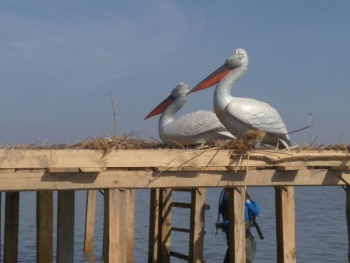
(240, 115)
(195, 128)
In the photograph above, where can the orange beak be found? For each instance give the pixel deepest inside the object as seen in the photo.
(212, 79)
(161, 107)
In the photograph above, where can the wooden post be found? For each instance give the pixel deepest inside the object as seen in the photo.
(44, 227)
(237, 241)
(285, 224)
(348, 217)
(11, 227)
(90, 221)
(114, 243)
(65, 227)
(164, 225)
(197, 225)
(130, 220)
(0, 224)
(153, 226)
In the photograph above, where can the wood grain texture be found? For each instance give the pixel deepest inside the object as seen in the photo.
(285, 224)
(90, 221)
(44, 227)
(11, 227)
(65, 227)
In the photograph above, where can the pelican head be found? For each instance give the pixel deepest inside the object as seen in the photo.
(239, 59)
(179, 92)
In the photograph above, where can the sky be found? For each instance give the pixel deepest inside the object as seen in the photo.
(61, 60)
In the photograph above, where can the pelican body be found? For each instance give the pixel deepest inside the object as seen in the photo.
(240, 115)
(195, 128)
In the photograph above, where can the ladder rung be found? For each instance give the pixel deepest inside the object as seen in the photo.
(179, 255)
(187, 205)
(181, 205)
(184, 230)
(177, 229)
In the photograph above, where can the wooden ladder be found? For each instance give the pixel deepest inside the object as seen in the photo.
(161, 228)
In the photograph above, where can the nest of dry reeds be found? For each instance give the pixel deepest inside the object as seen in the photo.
(250, 141)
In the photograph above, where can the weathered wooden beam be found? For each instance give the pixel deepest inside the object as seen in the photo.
(165, 199)
(149, 179)
(11, 227)
(114, 243)
(153, 226)
(167, 158)
(285, 225)
(44, 227)
(196, 243)
(65, 227)
(237, 242)
(90, 221)
(130, 224)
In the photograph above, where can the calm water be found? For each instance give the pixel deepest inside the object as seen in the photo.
(321, 234)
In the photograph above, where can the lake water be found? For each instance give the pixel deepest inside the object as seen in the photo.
(321, 233)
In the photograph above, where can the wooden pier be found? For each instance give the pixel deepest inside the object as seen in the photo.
(120, 172)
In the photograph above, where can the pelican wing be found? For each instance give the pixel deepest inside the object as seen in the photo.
(257, 115)
(197, 123)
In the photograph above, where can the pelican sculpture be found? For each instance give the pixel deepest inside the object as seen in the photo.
(240, 115)
(195, 128)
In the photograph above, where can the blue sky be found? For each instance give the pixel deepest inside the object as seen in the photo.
(61, 59)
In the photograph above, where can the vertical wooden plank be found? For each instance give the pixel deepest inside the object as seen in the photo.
(285, 224)
(153, 226)
(197, 225)
(237, 242)
(11, 227)
(0, 224)
(130, 221)
(90, 221)
(44, 227)
(114, 247)
(348, 217)
(164, 225)
(65, 227)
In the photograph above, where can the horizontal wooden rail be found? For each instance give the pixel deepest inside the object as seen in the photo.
(32, 181)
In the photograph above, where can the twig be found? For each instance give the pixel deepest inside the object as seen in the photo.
(115, 117)
(4, 144)
(341, 134)
(150, 136)
(183, 147)
(43, 142)
(130, 134)
(347, 152)
(313, 141)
